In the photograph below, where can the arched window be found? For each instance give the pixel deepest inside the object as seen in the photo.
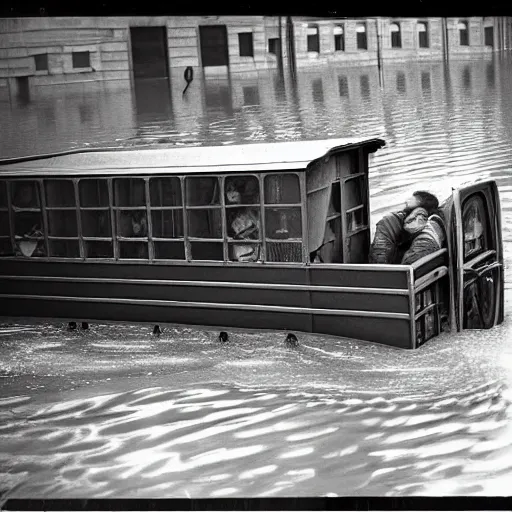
(396, 35)
(339, 38)
(362, 41)
(463, 33)
(313, 39)
(423, 34)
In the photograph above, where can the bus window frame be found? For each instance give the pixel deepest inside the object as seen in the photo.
(49, 209)
(302, 206)
(114, 240)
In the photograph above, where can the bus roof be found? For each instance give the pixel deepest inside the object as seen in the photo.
(277, 156)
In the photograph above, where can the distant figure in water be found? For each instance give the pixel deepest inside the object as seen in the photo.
(223, 337)
(291, 340)
(390, 234)
(156, 330)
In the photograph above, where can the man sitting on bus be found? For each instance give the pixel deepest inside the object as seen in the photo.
(429, 240)
(390, 234)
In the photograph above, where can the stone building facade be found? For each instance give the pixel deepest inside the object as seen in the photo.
(47, 51)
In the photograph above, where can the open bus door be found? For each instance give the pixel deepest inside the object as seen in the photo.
(476, 254)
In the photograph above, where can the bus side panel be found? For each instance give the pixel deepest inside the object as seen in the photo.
(376, 322)
(361, 301)
(388, 331)
(145, 270)
(365, 312)
(370, 277)
(111, 311)
(171, 292)
(438, 261)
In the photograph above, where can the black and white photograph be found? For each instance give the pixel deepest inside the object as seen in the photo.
(252, 255)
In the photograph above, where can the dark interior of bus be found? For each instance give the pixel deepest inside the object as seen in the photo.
(244, 217)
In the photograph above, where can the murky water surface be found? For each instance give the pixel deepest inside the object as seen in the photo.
(116, 412)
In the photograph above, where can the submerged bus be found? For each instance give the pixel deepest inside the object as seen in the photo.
(226, 237)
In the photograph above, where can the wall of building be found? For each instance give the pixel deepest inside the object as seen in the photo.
(108, 42)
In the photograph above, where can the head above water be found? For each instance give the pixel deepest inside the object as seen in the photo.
(422, 199)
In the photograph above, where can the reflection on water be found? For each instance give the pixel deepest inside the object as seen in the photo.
(115, 412)
(153, 102)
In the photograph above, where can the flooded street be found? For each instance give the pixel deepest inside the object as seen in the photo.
(116, 412)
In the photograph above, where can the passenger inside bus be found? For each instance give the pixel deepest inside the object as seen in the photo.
(243, 223)
(27, 220)
(391, 239)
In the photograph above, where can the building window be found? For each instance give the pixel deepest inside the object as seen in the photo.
(41, 62)
(463, 33)
(81, 60)
(423, 35)
(313, 39)
(362, 41)
(273, 45)
(339, 39)
(245, 44)
(396, 35)
(489, 36)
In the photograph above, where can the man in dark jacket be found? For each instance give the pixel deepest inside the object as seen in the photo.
(390, 234)
(429, 240)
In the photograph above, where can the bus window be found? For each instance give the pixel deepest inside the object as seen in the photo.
(202, 191)
(93, 193)
(5, 231)
(474, 221)
(282, 189)
(167, 218)
(61, 218)
(25, 194)
(3, 195)
(242, 218)
(283, 218)
(28, 222)
(95, 218)
(129, 192)
(131, 217)
(59, 193)
(165, 192)
(204, 218)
